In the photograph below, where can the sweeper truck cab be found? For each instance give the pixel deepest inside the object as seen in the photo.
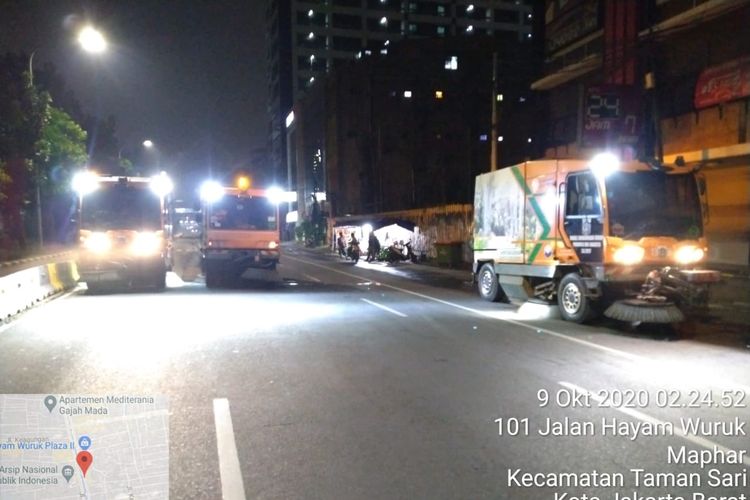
(240, 232)
(623, 238)
(124, 230)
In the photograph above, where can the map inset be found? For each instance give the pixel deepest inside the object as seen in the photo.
(60, 446)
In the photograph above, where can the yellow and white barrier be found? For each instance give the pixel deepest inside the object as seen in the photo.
(23, 289)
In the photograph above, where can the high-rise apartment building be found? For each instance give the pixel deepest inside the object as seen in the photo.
(309, 37)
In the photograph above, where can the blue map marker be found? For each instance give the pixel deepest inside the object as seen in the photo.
(84, 442)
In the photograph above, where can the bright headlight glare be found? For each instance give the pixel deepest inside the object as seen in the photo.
(275, 195)
(97, 242)
(629, 255)
(161, 184)
(84, 182)
(689, 254)
(146, 244)
(211, 191)
(272, 244)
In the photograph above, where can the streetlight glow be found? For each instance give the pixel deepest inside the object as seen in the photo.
(148, 143)
(92, 40)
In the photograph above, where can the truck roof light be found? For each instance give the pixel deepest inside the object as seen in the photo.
(161, 184)
(275, 194)
(85, 182)
(211, 191)
(603, 164)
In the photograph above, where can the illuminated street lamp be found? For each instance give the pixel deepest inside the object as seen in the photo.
(93, 42)
(148, 143)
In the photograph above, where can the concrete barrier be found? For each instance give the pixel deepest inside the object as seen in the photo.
(25, 288)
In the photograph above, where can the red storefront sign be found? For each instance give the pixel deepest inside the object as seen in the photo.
(723, 83)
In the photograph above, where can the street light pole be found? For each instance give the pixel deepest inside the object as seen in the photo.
(92, 41)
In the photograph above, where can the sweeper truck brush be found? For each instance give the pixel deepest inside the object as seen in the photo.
(643, 311)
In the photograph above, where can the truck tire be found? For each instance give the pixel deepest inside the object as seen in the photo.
(160, 281)
(213, 280)
(487, 284)
(572, 300)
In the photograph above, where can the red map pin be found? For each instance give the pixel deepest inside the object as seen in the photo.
(84, 460)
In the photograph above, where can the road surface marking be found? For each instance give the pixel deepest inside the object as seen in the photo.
(646, 362)
(232, 487)
(700, 441)
(488, 314)
(311, 277)
(385, 308)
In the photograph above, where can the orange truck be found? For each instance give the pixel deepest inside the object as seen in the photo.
(240, 232)
(124, 228)
(625, 239)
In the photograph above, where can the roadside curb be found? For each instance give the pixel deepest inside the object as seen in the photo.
(24, 289)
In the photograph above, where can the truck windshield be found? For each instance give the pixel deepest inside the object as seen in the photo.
(653, 204)
(121, 206)
(243, 213)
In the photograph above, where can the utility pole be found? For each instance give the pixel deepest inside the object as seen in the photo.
(494, 153)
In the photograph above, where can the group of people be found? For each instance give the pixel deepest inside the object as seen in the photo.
(398, 250)
(373, 245)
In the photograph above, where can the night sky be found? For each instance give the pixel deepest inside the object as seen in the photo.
(190, 75)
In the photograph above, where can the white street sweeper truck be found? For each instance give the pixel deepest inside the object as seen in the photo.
(623, 238)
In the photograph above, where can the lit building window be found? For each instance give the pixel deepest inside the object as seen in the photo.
(499, 138)
(469, 28)
(529, 16)
(311, 36)
(483, 137)
(384, 21)
(438, 94)
(312, 80)
(441, 10)
(383, 1)
(384, 52)
(310, 13)
(528, 140)
(499, 97)
(407, 94)
(441, 30)
(452, 63)
(528, 35)
(359, 55)
(470, 7)
(368, 52)
(312, 58)
(387, 42)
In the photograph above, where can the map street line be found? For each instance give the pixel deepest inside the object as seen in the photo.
(232, 486)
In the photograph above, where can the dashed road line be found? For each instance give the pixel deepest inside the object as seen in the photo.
(385, 308)
(232, 486)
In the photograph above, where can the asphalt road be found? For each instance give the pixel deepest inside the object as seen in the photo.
(378, 382)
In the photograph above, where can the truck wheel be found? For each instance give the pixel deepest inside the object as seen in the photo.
(572, 300)
(160, 282)
(489, 288)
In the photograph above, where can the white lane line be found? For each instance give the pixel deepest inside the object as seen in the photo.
(644, 362)
(491, 315)
(700, 441)
(311, 277)
(385, 308)
(232, 487)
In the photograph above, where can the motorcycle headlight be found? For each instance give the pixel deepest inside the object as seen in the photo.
(97, 242)
(146, 244)
(689, 254)
(629, 255)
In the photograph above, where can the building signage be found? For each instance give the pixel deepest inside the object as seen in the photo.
(611, 116)
(723, 83)
(572, 25)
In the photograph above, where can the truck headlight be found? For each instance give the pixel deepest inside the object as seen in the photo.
(145, 244)
(629, 255)
(689, 254)
(272, 245)
(97, 242)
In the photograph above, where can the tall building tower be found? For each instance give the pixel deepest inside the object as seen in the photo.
(309, 37)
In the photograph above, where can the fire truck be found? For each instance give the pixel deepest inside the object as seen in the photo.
(240, 232)
(125, 235)
(626, 239)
